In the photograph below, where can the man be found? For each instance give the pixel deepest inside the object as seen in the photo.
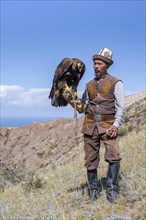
(103, 104)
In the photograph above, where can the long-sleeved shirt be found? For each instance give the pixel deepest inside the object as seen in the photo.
(119, 103)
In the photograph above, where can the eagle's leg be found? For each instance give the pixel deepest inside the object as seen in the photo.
(61, 85)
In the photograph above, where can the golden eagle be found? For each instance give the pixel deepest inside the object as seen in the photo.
(69, 71)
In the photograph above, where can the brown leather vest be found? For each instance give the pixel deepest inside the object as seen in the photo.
(101, 95)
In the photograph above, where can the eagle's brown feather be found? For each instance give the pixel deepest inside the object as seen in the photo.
(70, 72)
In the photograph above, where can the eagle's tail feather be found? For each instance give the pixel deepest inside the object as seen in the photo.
(54, 102)
(61, 102)
(57, 102)
(51, 93)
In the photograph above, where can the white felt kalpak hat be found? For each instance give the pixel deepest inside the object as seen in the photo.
(105, 55)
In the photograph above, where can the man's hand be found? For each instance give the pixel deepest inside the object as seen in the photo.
(112, 131)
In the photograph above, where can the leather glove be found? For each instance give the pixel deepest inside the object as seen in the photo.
(68, 94)
(72, 98)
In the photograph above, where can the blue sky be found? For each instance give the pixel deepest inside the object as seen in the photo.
(37, 35)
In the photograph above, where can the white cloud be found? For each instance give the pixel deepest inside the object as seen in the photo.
(17, 96)
(5, 89)
(17, 101)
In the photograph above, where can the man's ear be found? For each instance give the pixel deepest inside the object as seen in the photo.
(108, 65)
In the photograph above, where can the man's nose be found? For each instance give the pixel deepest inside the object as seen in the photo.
(96, 66)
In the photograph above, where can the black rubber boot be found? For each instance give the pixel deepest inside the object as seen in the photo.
(112, 185)
(93, 185)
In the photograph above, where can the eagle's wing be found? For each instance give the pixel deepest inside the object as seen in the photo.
(59, 72)
(61, 69)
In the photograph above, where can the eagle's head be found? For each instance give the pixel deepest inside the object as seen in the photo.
(80, 66)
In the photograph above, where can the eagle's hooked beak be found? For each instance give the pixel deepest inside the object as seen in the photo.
(80, 66)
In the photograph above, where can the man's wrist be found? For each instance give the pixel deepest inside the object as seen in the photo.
(116, 124)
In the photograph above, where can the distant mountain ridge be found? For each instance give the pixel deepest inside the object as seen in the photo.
(130, 99)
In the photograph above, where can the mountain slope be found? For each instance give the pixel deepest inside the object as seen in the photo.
(49, 162)
(41, 144)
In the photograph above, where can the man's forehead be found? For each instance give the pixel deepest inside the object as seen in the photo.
(98, 61)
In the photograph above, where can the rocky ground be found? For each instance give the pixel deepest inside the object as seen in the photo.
(30, 148)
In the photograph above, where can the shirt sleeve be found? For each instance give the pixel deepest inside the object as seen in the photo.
(119, 103)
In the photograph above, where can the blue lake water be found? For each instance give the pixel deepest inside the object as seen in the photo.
(21, 121)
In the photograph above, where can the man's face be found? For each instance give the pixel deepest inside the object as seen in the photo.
(100, 68)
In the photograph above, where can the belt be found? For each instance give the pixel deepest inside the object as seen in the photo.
(98, 117)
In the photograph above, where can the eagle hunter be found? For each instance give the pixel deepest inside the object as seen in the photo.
(69, 72)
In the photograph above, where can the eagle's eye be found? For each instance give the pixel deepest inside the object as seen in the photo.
(80, 66)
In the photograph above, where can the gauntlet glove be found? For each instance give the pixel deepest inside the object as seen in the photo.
(72, 98)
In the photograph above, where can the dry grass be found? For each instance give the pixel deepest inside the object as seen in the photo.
(61, 194)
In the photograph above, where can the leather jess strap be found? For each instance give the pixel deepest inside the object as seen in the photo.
(98, 117)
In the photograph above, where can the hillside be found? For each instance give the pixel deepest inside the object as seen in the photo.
(131, 99)
(41, 144)
(43, 174)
